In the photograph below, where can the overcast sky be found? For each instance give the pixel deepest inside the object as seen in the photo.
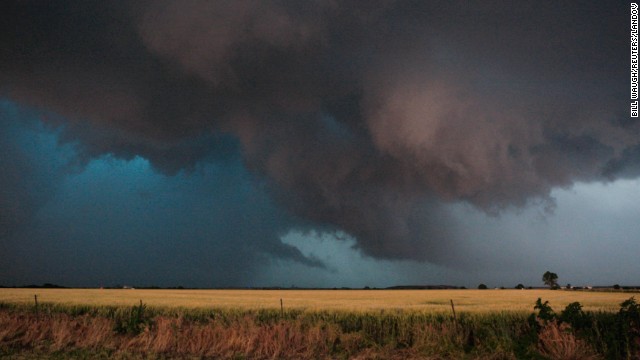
(317, 143)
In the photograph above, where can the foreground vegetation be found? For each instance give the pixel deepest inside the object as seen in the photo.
(90, 331)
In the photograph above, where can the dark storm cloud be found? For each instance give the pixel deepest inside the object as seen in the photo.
(625, 166)
(17, 196)
(118, 222)
(27, 178)
(360, 117)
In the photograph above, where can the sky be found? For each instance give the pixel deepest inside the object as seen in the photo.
(317, 143)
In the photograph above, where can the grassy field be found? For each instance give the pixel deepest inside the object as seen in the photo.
(316, 324)
(348, 300)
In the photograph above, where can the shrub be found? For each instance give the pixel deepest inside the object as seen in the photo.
(545, 312)
(482, 287)
(615, 336)
(574, 316)
(134, 321)
(629, 324)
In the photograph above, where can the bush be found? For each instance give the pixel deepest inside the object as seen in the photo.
(574, 316)
(482, 287)
(615, 336)
(629, 324)
(134, 321)
(545, 312)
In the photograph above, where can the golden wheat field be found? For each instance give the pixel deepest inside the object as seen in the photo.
(347, 300)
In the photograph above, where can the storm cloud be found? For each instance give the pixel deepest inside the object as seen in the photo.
(362, 117)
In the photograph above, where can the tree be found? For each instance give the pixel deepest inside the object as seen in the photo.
(482, 287)
(519, 286)
(550, 279)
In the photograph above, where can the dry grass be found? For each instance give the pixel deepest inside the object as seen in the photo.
(348, 300)
(57, 332)
(557, 342)
(281, 340)
(243, 338)
(85, 332)
(357, 324)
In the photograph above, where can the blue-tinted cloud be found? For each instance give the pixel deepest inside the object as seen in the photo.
(121, 222)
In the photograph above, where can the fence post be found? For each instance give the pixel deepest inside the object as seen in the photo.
(281, 309)
(455, 320)
(35, 298)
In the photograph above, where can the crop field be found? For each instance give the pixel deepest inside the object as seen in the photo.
(347, 300)
(318, 324)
